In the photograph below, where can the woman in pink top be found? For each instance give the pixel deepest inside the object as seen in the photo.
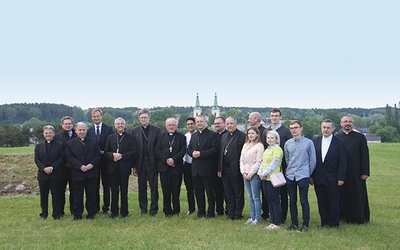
(250, 160)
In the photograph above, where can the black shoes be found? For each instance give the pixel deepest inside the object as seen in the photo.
(189, 212)
(303, 229)
(76, 218)
(292, 228)
(199, 216)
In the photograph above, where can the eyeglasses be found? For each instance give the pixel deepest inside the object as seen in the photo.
(291, 128)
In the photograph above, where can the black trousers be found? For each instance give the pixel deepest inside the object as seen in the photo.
(87, 186)
(148, 174)
(284, 202)
(219, 195)
(61, 195)
(45, 187)
(119, 184)
(188, 179)
(264, 205)
(171, 189)
(204, 184)
(234, 193)
(105, 182)
(328, 204)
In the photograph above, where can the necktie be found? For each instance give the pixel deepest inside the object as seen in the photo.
(98, 132)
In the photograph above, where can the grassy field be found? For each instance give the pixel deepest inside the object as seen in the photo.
(22, 229)
(18, 150)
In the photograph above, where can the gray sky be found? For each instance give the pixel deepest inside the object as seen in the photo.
(259, 53)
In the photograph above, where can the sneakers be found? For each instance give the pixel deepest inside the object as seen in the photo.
(272, 227)
(252, 222)
(249, 221)
(303, 229)
(292, 228)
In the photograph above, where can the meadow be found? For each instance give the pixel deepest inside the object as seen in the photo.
(21, 227)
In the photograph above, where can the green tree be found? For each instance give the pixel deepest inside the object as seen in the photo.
(333, 115)
(35, 112)
(388, 115)
(211, 119)
(373, 129)
(388, 134)
(159, 116)
(14, 136)
(108, 119)
(235, 113)
(33, 122)
(182, 121)
(396, 118)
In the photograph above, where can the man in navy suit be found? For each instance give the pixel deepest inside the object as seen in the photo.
(329, 174)
(100, 132)
(49, 158)
(145, 165)
(83, 154)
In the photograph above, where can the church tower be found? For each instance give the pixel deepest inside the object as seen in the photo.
(215, 109)
(197, 110)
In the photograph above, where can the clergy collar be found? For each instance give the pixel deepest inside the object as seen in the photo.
(348, 132)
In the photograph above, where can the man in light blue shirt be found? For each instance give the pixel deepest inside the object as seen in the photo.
(301, 161)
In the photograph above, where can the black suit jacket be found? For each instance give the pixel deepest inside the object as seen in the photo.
(153, 135)
(105, 132)
(207, 142)
(233, 152)
(334, 167)
(55, 158)
(79, 154)
(126, 146)
(62, 136)
(178, 151)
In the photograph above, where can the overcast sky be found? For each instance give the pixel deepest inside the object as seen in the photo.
(259, 53)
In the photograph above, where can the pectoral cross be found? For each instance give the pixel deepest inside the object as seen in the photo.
(170, 149)
(226, 151)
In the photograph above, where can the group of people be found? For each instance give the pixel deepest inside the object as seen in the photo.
(216, 167)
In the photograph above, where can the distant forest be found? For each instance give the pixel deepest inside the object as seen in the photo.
(19, 113)
(22, 124)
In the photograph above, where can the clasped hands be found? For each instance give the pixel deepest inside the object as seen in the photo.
(87, 167)
(117, 156)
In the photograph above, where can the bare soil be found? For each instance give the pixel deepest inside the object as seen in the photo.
(16, 169)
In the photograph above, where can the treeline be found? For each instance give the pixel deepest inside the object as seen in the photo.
(19, 113)
(21, 124)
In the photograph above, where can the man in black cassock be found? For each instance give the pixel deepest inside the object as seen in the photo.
(354, 206)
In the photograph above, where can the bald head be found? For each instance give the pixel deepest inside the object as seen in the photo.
(254, 119)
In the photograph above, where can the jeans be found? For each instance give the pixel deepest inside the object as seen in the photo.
(275, 209)
(305, 206)
(253, 188)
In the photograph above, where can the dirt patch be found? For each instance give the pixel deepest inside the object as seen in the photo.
(16, 169)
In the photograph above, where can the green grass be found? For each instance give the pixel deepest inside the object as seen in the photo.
(18, 150)
(22, 229)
